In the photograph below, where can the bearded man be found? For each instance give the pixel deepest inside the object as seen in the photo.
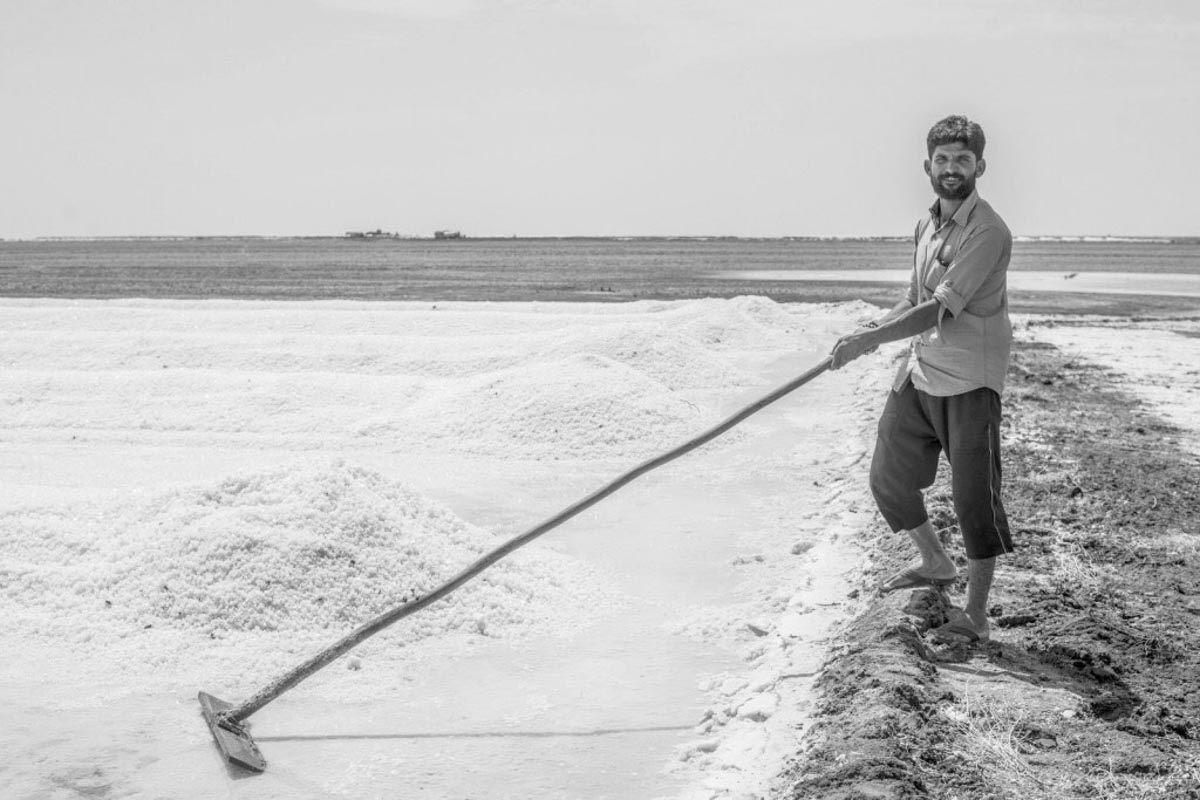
(946, 396)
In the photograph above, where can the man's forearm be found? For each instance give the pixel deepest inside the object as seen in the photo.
(897, 310)
(903, 321)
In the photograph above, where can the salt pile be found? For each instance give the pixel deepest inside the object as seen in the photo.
(300, 549)
(609, 389)
(699, 345)
(558, 410)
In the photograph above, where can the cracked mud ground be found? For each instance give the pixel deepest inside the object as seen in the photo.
(1090, 685)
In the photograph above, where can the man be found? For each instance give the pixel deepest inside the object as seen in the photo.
(946, 398)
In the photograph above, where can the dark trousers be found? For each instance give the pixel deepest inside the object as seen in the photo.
(914, 430)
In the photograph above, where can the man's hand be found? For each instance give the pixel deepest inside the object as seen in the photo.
(852, 346)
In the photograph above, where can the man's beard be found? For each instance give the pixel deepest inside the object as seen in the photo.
(960, 192)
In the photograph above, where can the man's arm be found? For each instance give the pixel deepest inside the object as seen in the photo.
(897, 310)
(903, 321)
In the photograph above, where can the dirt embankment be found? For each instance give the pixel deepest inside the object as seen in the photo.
(1090, 685)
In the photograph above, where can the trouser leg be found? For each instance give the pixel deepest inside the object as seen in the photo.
(905, 461)
(973, 450)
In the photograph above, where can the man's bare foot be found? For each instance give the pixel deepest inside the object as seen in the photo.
(962, 628)
(916, 577)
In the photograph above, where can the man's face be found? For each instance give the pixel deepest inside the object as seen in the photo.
(952, 170)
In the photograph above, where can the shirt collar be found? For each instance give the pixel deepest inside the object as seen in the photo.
(964, 211)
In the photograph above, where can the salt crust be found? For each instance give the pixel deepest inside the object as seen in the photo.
(526, 381)
(317, 548)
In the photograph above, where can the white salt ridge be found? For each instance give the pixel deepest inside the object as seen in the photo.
(663, 353)
(616, 391)
(302, 549)
(584, 403)
(609, 384)
(458, 340)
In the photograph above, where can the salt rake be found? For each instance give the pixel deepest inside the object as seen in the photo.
(227, 721)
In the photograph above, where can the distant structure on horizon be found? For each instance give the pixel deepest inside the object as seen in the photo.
(447, 235)
(378, 233)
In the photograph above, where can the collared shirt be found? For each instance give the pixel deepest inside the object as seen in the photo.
(963, 263)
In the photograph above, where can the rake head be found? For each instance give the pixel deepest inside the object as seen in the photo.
(232, 738)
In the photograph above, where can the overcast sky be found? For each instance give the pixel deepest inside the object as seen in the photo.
(589, 117)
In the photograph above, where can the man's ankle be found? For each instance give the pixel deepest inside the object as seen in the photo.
(937, 566)
(978, 617)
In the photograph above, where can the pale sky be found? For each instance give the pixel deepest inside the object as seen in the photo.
(589, 117)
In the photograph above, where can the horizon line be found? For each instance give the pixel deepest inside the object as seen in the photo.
(392, 236)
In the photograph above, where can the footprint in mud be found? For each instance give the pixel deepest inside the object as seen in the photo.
(1093, 674)
(1073, 658)
(1077, 663)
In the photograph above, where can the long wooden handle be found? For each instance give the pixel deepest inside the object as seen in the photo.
(363, 632)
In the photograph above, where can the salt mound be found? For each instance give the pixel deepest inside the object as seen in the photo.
(743, 323)
(582, 403)
(660, 353)
(307, 549)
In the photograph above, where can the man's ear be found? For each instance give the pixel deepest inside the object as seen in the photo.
(927, 170)
(980, 166)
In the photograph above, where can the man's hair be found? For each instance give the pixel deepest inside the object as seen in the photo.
(957, 129)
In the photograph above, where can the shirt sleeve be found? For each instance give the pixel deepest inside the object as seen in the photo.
(912, 289)
(912, 280)
(977, 256)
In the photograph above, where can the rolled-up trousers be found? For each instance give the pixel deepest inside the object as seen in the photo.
(914, 430)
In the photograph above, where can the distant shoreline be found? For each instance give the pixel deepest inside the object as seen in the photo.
(1081, 239)
(570, 269)
(1031, 280)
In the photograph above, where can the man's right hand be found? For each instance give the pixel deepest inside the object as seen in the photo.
(852, 346)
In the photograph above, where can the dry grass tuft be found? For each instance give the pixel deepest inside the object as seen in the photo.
(1074, 567)
(992, 744)
(1181, 782)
